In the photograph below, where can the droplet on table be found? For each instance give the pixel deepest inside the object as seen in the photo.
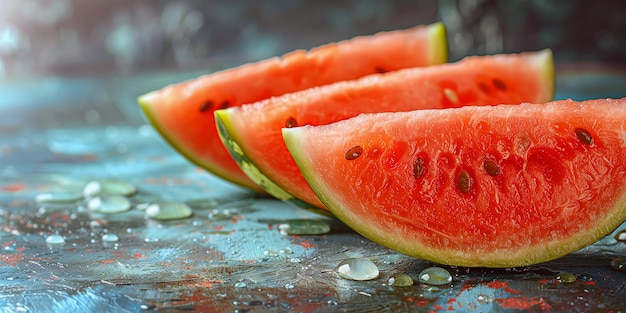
(484, 299)
(357, 269)
(619, 264)
(271, 253)
(241, 284)
(109, 204)
(58, 197)
(224, 214)
(565, 277)
(286, 250)
(108, 187)
(110, 238)
(435, 276)
(168, 211)
(55, 240)
(304, 227)
(400, 280)
(621, 236)
(203, 204)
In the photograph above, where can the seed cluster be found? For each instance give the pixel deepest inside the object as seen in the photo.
(464, 180)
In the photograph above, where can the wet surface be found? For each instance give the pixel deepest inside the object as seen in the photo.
(234, 254)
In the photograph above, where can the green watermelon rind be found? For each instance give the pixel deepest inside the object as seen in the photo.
(147, 108)
(549, 251)
(254, 173)
(438, 54)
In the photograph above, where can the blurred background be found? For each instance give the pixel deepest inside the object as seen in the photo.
(120, 37)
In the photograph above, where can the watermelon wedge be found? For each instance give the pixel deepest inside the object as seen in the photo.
(252, 132)
(183, 113)
(494, 186)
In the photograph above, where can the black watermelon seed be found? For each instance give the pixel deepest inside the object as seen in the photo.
(484, 88)
(498, 84)
(419, 167)
(225, 104)
(584, 136)
(380, 70)
(464, 181)
(291, 122)
(354, 153)
(206, 106)
(491, 167)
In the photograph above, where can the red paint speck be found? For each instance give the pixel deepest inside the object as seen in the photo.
(109, 261)
(307, 244)
(590, 282)
(497, 284)
(524, 303)
(511, 290)
(16, 187)
(12, 259)
(138, 255)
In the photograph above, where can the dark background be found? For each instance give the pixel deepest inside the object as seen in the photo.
(85, 37)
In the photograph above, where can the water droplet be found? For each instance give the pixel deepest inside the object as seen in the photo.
(295, 260)
(110, 238)
(241, 284)
(286, 250)
(565, 277)
(203, 204)
(108, 187)
(621, 236)
(57, 197)
(435, 276)
(168, 211)
(400, 280)
(224, 214)
(304, 227)
(109, 204)
(55, 240)
(289, 286)
(357, 269)
(484, 299)
(271, 253)
(619, 264)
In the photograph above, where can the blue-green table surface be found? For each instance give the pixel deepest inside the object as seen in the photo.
(61, 132)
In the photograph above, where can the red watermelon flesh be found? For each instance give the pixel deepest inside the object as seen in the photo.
(500, 186)
(256, 129)
(183, 113)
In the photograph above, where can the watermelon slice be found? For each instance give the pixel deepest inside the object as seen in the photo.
(253, 132)
(495, 186)
(183, 113)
